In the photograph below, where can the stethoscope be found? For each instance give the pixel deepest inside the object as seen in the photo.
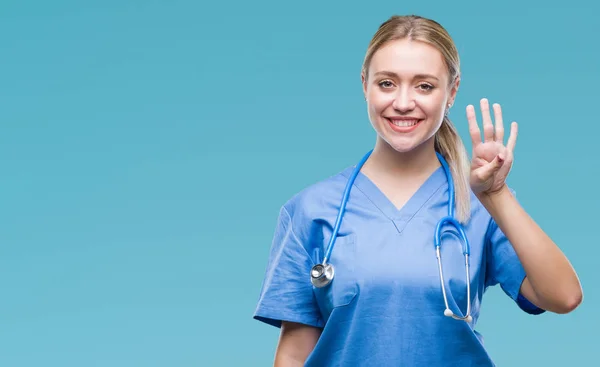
(322, 274)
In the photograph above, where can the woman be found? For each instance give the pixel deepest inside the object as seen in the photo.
(385, 305)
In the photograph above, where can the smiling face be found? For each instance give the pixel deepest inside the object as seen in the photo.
(407, 90)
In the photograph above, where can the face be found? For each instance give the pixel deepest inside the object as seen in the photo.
(407, 91)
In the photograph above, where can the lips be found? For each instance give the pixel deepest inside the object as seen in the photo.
(404, 124)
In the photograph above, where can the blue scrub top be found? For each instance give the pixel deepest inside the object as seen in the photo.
(385, 305)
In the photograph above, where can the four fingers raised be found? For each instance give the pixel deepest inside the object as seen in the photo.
(490, 132)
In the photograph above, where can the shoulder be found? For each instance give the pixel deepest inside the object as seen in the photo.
(317, 202)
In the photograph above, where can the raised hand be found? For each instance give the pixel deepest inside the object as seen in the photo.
(492, 160)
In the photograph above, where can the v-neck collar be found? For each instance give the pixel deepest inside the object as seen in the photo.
(400, 217)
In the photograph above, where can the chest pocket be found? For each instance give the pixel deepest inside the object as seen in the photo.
(343, 288)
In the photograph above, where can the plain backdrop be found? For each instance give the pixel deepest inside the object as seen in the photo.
(147, 146)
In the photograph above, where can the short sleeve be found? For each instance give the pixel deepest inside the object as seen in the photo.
(286, 293)
(505, 268)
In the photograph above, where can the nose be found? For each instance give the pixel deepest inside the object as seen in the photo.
(403, 100)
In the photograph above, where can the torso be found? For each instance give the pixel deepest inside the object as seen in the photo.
(386, 299)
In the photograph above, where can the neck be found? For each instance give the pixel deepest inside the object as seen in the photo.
(402, 167)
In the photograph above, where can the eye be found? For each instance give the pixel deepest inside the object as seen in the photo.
(386, 84)
(426, 87)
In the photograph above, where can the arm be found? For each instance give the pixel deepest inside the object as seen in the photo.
(286, 299)
(551, 282)
(296, 342)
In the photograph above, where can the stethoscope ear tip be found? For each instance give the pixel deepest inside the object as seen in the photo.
(449, 313)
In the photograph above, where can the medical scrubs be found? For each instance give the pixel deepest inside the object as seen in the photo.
(385, 305)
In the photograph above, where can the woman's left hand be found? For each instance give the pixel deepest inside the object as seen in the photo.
(492, 160)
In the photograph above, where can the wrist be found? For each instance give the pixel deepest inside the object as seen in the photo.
(494, 198)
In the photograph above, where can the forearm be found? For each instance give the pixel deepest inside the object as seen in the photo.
(283, 360)
(296, 342)
(551, 276)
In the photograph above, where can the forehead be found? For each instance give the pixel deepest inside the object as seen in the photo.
(407, 57)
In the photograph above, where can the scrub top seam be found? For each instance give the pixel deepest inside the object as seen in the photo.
(397, 215)
(401, 221)
(425, 202)
(297, 239)
(381, 210)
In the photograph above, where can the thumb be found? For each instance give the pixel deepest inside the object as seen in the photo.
(485, 172)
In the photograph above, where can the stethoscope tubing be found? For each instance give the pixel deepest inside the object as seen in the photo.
(322, 274)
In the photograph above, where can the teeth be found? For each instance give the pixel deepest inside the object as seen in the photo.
(405, 123)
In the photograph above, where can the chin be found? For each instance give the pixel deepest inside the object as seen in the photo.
(402, 144)
(403, 147)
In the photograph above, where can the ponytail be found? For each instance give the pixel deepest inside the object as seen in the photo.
(449, 144)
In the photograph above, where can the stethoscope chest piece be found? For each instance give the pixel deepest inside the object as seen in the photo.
(321, 275)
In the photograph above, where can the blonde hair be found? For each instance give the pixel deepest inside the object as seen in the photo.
(447, 141)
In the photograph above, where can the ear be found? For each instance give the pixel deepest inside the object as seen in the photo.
(363, 80)
(454, 90)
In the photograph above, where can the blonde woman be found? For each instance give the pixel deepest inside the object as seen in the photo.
(382, 296)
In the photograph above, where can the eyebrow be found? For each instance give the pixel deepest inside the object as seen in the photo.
(418, 76)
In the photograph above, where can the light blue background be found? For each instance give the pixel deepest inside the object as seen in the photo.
(146, 147)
